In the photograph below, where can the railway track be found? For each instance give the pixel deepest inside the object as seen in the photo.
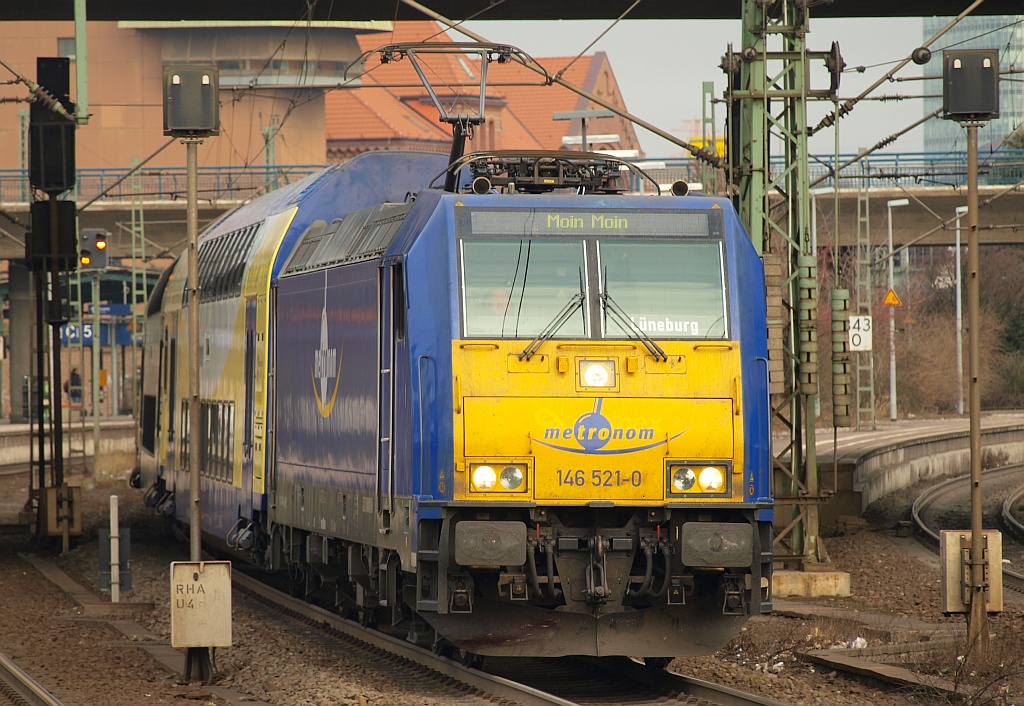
(14, 469)
(531, 682)
(19, 689)
(947, 506)
(1010, 520)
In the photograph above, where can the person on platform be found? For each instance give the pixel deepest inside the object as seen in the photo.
(74, 387)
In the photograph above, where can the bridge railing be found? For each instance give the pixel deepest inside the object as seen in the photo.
(880, 170)
(918, 169)
(235, 183)
(164, 183)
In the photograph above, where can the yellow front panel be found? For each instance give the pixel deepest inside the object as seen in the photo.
(588, 439)
(604, 448)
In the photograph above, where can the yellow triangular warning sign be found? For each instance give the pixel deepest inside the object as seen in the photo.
(891, 299)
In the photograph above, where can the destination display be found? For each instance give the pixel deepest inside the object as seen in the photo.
(618, 222)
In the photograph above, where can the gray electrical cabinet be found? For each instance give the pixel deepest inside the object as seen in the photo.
(191, 101)
(970, 84)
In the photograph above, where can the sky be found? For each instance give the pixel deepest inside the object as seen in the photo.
(661, 66)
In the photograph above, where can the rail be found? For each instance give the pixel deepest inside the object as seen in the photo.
(1010, 521)
(1011, 579)
(498, 686)
(21, 689)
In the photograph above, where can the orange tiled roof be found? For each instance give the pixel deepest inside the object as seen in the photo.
(519, 116)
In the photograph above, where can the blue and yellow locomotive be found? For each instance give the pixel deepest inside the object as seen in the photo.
(526, 417)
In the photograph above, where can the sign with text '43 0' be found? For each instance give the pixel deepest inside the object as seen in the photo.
(860, 333)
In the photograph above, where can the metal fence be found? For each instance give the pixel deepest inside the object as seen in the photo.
(880, 170)
(163, 183)
(235, 183)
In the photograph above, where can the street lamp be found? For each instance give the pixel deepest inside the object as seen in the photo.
(583, 115)
(890, 205)
(960, 211)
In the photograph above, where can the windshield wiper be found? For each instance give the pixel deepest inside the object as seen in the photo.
(552, 328)
(627, 324)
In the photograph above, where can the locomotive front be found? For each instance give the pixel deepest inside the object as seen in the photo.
(610, 486)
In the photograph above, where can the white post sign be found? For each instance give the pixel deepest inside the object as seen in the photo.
(860, 333)
(200, 604)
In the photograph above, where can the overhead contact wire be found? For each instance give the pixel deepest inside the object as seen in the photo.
(598, 37)
(848, 106)
(701, 154)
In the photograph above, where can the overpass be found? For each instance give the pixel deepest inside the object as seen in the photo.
(465, 9)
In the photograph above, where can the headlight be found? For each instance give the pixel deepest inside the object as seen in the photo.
(498, 477)
(484, 477)
(683, 479)
(512, 477)
(712, 479)
(597, 373)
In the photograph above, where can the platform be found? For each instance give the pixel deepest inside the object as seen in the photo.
(856, 468)
(859, 467)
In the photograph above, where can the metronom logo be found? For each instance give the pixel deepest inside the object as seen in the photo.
(593, 432)
(326, 365)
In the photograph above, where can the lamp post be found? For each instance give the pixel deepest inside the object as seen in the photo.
(582, 115)
(960, 211)
(890, 205)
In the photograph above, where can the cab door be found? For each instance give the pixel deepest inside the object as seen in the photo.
(170, 402)
(249, 397)
(389, 283)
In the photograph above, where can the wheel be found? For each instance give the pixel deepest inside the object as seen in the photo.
(657, 663)
(366, 617)
(296, 582)
(442, 648)
(468, 659)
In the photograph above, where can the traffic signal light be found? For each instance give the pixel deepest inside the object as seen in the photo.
(39, 242)
(92, 249)
(51, 137)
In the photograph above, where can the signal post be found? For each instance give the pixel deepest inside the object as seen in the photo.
(50, 251)
(92, 256)
(970, 95)
(192, 113)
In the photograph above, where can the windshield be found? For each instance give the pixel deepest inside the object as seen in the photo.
(516, 288)
(667, 289)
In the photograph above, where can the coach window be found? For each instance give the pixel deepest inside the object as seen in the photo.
(516, 288)
(670, 289)
(66, 47)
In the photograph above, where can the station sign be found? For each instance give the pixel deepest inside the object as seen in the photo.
(111, 309)
(73, 334)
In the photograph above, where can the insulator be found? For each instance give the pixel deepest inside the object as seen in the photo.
(886, 141)
(842, 397)
(807, 323)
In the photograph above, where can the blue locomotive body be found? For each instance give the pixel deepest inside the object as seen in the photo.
(536, 422)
